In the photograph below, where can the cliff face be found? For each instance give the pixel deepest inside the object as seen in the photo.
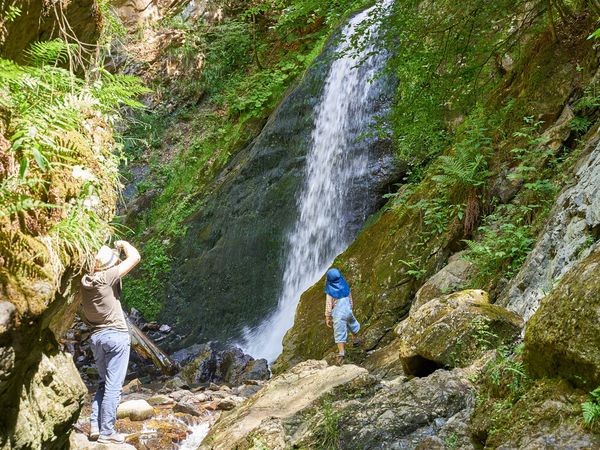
(54, 211)
(395, 266)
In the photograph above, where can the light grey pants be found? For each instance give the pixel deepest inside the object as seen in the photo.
(111, 352)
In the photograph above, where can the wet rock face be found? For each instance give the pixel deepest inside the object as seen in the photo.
(229, 366)
(41, 21)
(229, 265)
(563, 336)
(573, 225)
(453, 331)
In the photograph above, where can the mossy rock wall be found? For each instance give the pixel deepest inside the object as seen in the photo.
(563, 336)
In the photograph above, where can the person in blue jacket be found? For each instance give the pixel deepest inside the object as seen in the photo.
(338, 310)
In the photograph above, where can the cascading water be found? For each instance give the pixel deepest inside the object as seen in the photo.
(329, 209)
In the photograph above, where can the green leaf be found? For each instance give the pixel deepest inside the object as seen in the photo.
(41, 160)
(23, 167)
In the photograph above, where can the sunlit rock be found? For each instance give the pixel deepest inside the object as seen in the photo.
(453, 331)
(135, 410)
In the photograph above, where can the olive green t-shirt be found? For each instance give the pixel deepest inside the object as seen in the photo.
(101, 294)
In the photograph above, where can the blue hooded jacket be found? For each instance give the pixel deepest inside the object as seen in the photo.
(335, 284)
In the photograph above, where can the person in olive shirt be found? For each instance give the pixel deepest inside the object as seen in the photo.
(110, 342)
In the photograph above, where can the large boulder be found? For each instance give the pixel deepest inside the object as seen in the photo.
(453, 331)
(563, 336)
(281, 398)
(407, 414)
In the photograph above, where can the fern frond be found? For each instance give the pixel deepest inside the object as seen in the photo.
(49, 53)
(113, 91)
(591, 412)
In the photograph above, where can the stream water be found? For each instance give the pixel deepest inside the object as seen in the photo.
(335, 179)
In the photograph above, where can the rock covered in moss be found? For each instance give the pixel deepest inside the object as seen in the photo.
(453, 331)
(450, 278)
(563, 336)
(546, 416)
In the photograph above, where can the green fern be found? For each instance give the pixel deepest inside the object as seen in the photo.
(591, 412)
(467, 168)
(591, 408)
(16, 197)
(49, 53)
(57, 122)
(116, 90)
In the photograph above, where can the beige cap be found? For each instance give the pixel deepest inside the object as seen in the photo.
(105, 258)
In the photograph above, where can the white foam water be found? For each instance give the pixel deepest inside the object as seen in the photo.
(321, 230)
(195, 438)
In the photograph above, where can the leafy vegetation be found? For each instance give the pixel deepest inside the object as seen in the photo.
(446, 56)
(328, 429)
(590, 409)
(504, 242)
(61, 162)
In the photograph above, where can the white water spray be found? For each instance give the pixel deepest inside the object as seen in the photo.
(322, 229)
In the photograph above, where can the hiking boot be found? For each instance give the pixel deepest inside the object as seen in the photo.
(114, 438)
(339, 360)
(94, 434)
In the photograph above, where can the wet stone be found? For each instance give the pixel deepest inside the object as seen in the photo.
(186, 408)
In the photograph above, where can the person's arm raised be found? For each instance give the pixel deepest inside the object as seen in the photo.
(132, 257)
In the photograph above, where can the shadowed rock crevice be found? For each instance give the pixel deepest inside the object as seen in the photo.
(419, 367)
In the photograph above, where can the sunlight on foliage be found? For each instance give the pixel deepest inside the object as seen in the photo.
(56, 123)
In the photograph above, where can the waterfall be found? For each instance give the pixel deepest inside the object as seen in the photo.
(328, 204)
